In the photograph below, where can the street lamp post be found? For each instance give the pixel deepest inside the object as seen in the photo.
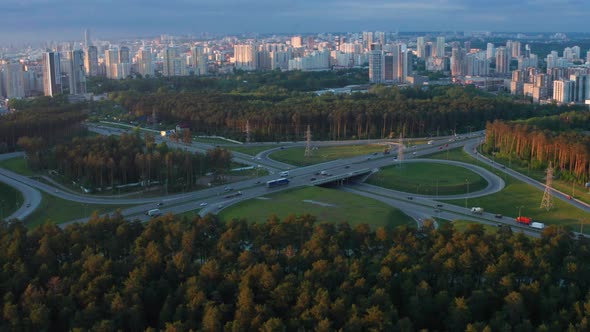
(467, 183)
(519, 207)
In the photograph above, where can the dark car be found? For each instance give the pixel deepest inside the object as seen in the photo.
(439, 205)
(347, 167)
(160, 203)
(499, 216)
(312, 179)
(410, 197)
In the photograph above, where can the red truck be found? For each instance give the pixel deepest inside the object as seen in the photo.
(524, 220)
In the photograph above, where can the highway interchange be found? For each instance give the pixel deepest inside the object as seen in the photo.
(212, 200)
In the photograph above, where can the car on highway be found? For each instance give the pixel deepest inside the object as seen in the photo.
(28, 205)
(257, 182)
(439, 205)
(203, 204)
(414, 153)
(312, 179)
(227, 188)
(499, 216)
(160, 203)
(410, 197)
(219, 206)
(347, 167)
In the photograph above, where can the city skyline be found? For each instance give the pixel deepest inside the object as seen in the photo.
(40, 20)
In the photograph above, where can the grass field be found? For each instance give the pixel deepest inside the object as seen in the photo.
(17, 165)
(575, 190)
(295, 156)
(326, 204)
(428, 179)
(518, 195)
(56, 210)
(251, 150)
(10, 200)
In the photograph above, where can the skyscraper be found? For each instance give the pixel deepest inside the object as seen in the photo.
(111, 60)
(516, 49)
(421, 47)
(124, 55)
(376, 66)
(563, 91)
(490, 51)
(440, 47)
(87, 41)
(77, 77)
(91, 61)
(502, 61)
(245, 56)
(145, 65)
(199, 60)
(51, 74)
(14, 84)
(458, 62)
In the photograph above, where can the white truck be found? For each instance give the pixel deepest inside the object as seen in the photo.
(285, 174)
(537, 225)
(153, 212)
(477, 210)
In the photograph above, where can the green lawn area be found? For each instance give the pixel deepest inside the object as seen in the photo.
(428, 179)
(251, 150)
(10, 200)
(295, 156)
(326, 204)
(17, 165)
(56, 210)
(519, 194)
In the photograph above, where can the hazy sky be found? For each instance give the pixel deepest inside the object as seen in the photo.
(35, 20)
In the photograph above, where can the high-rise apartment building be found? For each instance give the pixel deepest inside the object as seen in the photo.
(76, 71)
(502, 60)
(581, 89)
(14, 83)
(245, 56)
(563, 91)
(199, 60)
(296, 41)
(458, 62)
(111, 60)
(490, 51)
(421, 47)
(91, 60)
(439, 50)
(52, 84)
(145, 64)
(124, 56)
(376, 65)
(367, 39)
(515, 48)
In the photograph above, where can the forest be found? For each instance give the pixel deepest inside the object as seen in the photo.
(298, 274)
(561, 140)
(43, 119)
(239, 81)
(101, 161)
(383, 112)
